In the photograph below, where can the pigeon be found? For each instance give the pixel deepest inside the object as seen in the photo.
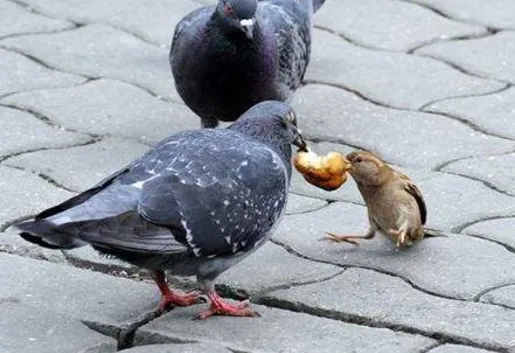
(230, 56)
(395, 204)
(196, 204)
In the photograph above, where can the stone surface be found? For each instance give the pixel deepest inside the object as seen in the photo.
(497, 14)
(504, 296)
(390, 299)
(32, 329)
(24, 193)
(497, 170)
(394, 79)
(499, 230)
(66, 166)
(23, 131)
(18, 73)
(331, 113)
(496, 59)
(453, 265)
(492, 113)
(279, 331)
(20, 20)
(453, 348)
(405, 26)
(102, 51)
(152, 20)
(303, 204)
(110, 107)
(179, 348)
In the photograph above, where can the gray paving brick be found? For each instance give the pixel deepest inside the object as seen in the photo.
(22, 132)
(499, 230)
(399, 136)
(21, 20)
(504, 296)
(24, 193)
(31, 329)
(279, 331)
(453, 265)
(179, 348)
(302, 204)
(497, 170)
(394, 303)
(102, 51)
(492, 56)
(498, 13)
(453, 348)
(110, 107)
(492, 112)
(66, 166)
(18, 73)
(394, 79)
(155, 20)
(405, 26)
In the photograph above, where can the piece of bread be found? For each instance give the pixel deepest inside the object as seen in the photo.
(328, 172)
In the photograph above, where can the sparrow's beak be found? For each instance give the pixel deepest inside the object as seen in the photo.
(247, 26)
(299, 141)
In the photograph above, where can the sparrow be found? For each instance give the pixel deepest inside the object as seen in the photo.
(394, 203)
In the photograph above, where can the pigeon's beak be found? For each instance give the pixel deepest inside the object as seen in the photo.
(247, 26)
(299, 141)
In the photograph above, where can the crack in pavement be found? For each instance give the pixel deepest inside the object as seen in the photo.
(86, 80)
(30, 8)
(477, 298)
(450, 39)
(484, 182)
(459, 229)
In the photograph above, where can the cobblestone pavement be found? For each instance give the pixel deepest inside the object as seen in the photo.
(85, 87)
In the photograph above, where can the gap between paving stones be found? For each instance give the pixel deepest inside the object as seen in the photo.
(484, 182)
(31, 9)
(86, 81)
(489, 33)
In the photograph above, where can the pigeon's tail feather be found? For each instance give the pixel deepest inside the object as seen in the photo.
(47, 234)
(317, 4)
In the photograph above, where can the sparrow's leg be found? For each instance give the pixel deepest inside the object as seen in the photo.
(350, 238)
(400, 234)
(171, 298)
(221, 307)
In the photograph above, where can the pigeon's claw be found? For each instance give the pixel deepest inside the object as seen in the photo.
(175, 298)
(221, 307)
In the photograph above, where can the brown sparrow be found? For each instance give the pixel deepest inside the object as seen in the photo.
(394, 203)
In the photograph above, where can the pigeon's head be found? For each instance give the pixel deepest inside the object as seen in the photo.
(274, 123)
(238, 15)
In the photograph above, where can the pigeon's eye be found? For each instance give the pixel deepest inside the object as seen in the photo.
(228, 9)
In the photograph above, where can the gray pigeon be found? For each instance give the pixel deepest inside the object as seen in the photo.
(196, 204)
(227, 57)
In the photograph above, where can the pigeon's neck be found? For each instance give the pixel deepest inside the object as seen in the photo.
(223, 28)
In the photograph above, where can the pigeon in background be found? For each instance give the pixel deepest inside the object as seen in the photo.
(227, 57)
(196, 204)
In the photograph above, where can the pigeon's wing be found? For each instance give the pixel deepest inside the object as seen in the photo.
(226, 201)
(414, 191)
(291, 23)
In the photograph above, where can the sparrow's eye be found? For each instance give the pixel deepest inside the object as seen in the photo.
(358, 159)
(228, 9)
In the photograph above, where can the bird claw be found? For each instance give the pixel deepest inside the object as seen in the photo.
(334, 238)
(174, 299)
(219, 307)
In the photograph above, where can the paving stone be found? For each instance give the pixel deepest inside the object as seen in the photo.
(496, 170)
(389, 301)
(303, 204)
(500, 230)
(492, 112)
(394, 79)
(504, 296)
(17, 73)
(492, 56)
(152, 20)
(393, 25)
(31, 329)
(453, 265)
(179, 348)
(81, 294)
(22, 131)
(332, 113)
(110, 107)
(24, 193)
(20, 21)
(12, 243)
(102, 51)
(66, 166)
(498, 13)
(453, 348)
(278, 331)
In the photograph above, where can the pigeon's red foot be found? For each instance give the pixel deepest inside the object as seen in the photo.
(175, 298)
(221, 307)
